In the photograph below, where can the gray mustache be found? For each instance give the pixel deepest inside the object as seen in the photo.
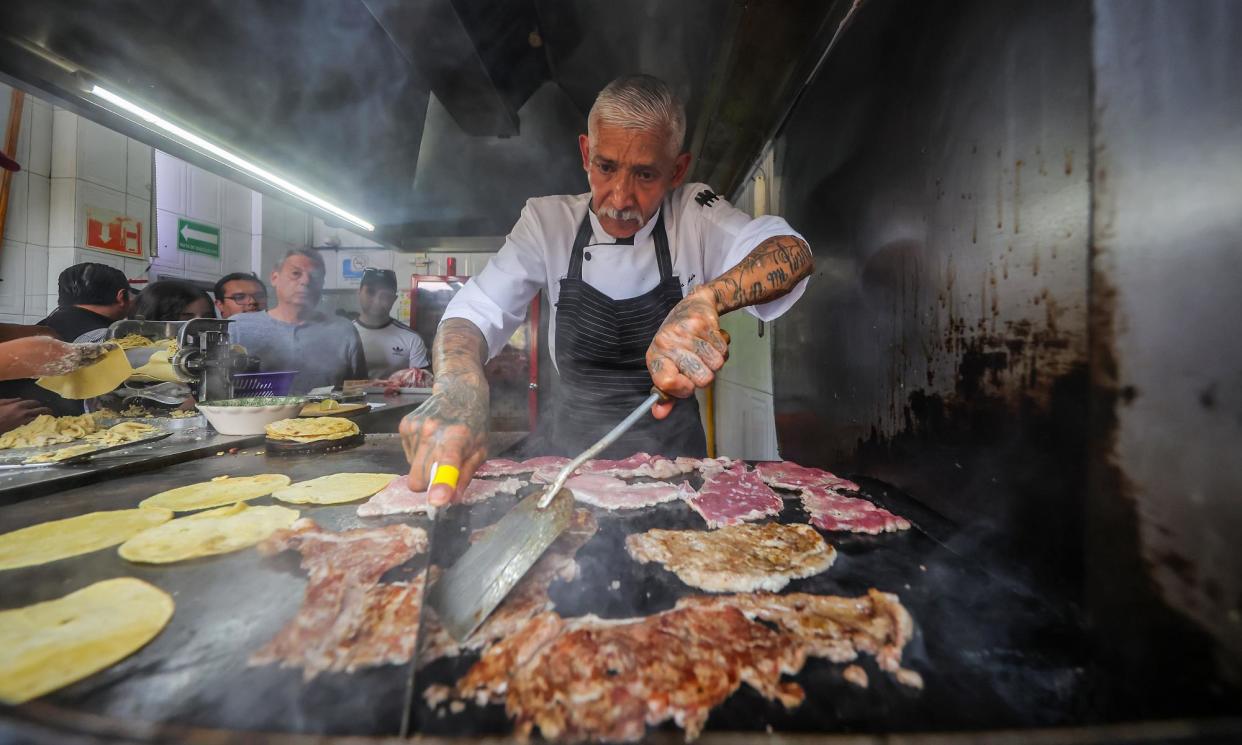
(622, 215)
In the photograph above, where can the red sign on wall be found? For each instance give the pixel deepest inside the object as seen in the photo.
(111, 231)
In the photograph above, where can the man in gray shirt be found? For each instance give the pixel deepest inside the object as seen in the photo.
(325, 350)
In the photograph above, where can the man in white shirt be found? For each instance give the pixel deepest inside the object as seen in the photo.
(388, 344)
(637, 272)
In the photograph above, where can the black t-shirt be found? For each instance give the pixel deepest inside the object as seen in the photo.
(70, 322)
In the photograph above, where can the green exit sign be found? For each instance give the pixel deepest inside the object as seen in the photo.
(198, 237)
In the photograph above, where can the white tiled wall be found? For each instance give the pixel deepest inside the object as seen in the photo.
(24, 250)
(70, 162)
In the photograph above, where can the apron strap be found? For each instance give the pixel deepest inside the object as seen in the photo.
(580, 242)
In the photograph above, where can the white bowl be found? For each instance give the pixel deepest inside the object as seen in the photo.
(249, 416)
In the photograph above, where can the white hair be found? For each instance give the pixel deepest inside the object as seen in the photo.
(640, 102)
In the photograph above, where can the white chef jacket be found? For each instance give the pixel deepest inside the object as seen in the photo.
(707, 236)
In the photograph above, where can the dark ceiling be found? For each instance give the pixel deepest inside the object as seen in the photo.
(426, 117)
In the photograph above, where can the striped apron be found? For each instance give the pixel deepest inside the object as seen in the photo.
(601, 357)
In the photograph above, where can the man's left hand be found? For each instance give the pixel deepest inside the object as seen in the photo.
(688, 349)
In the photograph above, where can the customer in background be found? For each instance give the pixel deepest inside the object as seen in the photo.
(240, 292)
(165, 300)
(323, 349)
(388, 344)
(173, 300)
(89, 296)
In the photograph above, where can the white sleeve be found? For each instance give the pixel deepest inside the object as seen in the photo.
(496, 300)
(418, 352)
(728, 235)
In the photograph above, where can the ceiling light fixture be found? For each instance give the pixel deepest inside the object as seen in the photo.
(232, 159)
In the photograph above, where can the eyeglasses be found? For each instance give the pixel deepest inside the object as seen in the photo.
(242, 297)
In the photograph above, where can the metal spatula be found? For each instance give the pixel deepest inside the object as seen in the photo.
(466, 594)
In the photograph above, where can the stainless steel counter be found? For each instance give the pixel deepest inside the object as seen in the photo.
(20, 484)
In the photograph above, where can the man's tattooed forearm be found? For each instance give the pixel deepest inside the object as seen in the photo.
(766, 273)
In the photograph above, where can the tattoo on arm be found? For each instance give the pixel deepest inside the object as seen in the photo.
(768, 272)
(460, 393)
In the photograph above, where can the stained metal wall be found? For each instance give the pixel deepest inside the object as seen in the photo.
(1166, 354)
(1027, 220)
(938, 168)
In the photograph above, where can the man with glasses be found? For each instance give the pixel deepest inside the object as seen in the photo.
(388, 344)
(240, 292)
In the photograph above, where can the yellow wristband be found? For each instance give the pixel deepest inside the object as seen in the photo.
(445, 474)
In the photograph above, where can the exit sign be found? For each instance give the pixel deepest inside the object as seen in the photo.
(198, 237)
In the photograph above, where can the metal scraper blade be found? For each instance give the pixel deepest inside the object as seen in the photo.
(466, 594)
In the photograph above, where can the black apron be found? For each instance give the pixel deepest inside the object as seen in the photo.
(601, 358)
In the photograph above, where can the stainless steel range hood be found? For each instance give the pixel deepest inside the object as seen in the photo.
(436, 117)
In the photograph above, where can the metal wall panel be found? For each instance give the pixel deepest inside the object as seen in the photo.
(938, 168)
(1166, 352)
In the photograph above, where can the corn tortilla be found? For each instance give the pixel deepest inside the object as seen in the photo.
(334, 488)
(46, 646)
(219, 491)
(73, 536)
(313, 429)
(217, 531)
(96, 379)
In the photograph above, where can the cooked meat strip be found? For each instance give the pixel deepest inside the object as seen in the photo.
(738, 558)
(605, 680)
(336, 627)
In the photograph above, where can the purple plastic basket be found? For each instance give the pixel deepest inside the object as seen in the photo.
(247, 385)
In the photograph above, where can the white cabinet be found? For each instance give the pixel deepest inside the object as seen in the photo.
(745, 426)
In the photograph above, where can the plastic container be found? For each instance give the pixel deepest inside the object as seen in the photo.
(263, 384)
(249, 416)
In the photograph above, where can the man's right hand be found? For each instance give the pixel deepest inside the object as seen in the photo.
(14, 412)
(449, 429)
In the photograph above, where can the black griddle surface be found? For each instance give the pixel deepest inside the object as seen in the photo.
(991, 654)
(194, 673)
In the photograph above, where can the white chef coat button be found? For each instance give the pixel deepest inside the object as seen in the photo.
(587, 255)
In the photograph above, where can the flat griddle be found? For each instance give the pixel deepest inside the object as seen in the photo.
(991, 654)
(194, 673)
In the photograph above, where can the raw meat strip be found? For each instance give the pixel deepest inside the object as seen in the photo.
(734, 495)
(789, 475)
(830, 510)
(612, 493)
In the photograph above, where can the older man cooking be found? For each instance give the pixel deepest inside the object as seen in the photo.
(637, 271)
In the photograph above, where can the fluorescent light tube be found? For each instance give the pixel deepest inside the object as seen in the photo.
(232, 159)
